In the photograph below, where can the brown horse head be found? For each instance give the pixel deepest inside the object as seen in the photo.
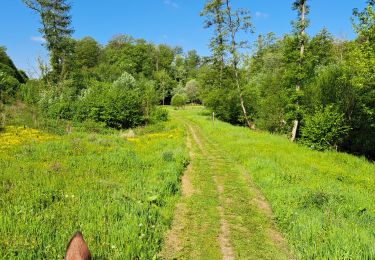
(77, 248)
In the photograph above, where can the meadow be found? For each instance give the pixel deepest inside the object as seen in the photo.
(323, 202)
(120, 192)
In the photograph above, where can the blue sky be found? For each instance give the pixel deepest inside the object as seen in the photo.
(175, 22)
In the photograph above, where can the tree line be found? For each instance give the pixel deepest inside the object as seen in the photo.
(316, 90)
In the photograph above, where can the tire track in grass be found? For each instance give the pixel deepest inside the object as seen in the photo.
(225, 216)
(172, 241)
(225, 245)
(273, 238)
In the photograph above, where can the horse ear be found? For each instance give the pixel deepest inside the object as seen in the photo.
(77, 248)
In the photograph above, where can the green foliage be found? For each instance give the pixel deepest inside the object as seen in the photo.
(331, 86)
(325, 129)
(164, 84)
(191, 90)
(178, 100)
(149, 96)
(7, 66)
(30, 92)
(86, 53)
(8, 87)
(58, 102)
(119, 105)
(10, 78)
(269, 96)
(159, 115)
(221, 98)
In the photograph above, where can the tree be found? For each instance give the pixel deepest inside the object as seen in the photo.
(192, 63)
(360, 70)
(300, 26)
(178, 100)
(191, 90)
(227, 25)
(213, 11)
(10, 77)
(163, 80)
(7, 66)
(148, 95)
(86, 53)
(56, 30)
(235, 22)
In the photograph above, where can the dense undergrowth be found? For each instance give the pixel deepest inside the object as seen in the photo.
(119, 192)
(322, 201)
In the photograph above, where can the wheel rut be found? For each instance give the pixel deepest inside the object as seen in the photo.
(224, 236)
(218, 214)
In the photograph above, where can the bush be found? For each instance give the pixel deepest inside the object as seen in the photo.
(325, 130)
(8, 87)
(58, 102)
(178, 100)
(124, 104)
(30, 91)
(159, 114)
(119, 105)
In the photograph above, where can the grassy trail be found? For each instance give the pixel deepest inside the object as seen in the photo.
(322, 202)
(221, 214)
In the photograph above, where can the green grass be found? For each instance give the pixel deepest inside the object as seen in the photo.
(121, 194)
(221, 194)
(324, 202)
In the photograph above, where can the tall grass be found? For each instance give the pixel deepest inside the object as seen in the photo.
(120, 193)
(324, 202)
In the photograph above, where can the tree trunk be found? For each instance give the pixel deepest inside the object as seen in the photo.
(294, 130)
(248, 122)
(302, 51)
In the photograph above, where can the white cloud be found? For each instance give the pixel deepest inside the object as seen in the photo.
(261, 15)
(171, 3)
(38, 39)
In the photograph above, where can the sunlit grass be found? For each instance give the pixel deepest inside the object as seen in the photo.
(120, 193)
(324, 202)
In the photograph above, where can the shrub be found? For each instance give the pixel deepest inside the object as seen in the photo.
(124, 104)
(8, 87)
(30, 91)
(325, 130)
(119, 105)
(178, 100)
(58, 102)
(159, 114)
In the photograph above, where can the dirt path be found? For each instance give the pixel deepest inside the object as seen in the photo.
(221, 215)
